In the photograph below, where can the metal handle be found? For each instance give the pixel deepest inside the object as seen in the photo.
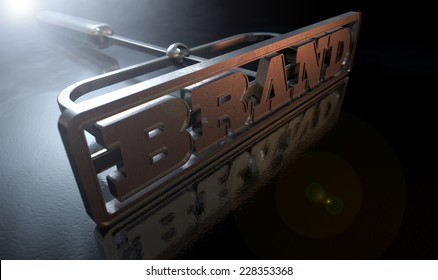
(86, 31)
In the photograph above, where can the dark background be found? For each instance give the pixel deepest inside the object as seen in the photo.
(391, 89)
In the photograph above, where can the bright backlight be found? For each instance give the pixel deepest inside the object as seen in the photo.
(19, 7)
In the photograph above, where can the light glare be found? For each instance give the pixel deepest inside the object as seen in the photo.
(19, 8)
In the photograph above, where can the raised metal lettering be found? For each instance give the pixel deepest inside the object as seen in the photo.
(152, 139)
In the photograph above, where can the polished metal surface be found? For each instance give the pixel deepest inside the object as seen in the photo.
(365, 189)
(223, 111)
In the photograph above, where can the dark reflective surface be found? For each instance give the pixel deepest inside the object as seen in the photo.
(171, 228)
(384, 208)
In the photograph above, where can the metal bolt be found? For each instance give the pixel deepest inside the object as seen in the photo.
(178, 51)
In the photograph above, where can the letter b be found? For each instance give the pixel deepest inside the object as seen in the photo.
(152, 139)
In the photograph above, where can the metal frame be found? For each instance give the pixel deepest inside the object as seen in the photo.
(77, 117)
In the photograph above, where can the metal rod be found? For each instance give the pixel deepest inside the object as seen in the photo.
(101, 35)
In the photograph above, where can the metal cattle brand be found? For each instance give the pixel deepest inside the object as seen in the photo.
(128, 147)
(165, 229)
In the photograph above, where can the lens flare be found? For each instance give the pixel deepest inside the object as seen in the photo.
(334, 205)
(315, 192)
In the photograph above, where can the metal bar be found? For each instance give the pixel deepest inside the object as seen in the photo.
(156, 50)
(232, 41)
(136, 45)
(168, 83)
(85, 86)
